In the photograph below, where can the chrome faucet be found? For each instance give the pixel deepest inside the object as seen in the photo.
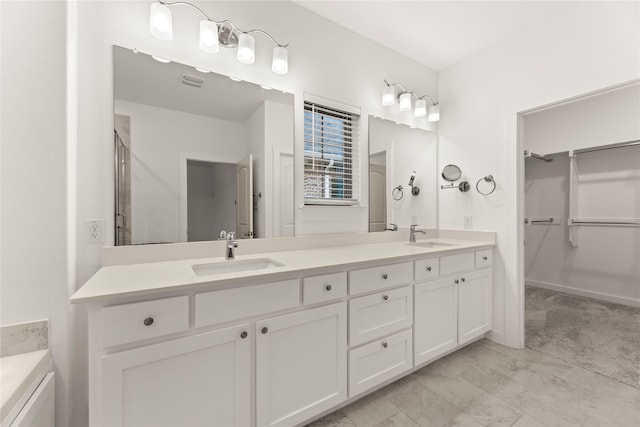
(413, 231)
(232, 243)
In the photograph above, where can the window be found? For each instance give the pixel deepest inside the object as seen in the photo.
(330, 141)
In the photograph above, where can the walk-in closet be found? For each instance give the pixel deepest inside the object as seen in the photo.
(582, 232)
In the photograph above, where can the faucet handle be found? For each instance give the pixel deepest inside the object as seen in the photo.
(413, 227)
(231, 235)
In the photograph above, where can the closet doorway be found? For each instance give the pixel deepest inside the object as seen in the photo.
(582, 231)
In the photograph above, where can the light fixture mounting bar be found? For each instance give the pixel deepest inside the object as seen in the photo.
(235, 28)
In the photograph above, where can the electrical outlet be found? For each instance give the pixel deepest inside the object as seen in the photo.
(94, 230)
(468, 222)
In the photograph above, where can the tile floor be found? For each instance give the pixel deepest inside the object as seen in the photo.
(487, 384)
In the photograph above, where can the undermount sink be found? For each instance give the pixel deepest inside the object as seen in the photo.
(234, 266)
(432, 244)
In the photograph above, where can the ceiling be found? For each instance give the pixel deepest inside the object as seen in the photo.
(441, 33)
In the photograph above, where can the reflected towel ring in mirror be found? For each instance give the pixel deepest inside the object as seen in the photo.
(491, 184)
(397, 193)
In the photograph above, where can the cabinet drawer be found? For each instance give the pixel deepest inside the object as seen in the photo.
(379, 361)
(377, 315)
(375, 278)
(426, 269)
(484, 258)
(239, 303)
(324, 288)
(122, 324)
(456, 263)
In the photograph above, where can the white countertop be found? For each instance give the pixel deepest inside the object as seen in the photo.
(20, 374)
(120, 281)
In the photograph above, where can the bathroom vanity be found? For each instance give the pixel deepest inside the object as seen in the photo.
(279, 337)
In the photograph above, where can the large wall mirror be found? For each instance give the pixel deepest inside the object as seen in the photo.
(399, 154)
(197, 153)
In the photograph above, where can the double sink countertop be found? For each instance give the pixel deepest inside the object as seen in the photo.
(151, 278)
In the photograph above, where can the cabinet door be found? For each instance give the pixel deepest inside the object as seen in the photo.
(436, 319)
(197, 380)
(301, 364)
(475, 304)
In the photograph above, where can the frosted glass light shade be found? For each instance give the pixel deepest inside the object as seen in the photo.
(209, 36)
(246, 48)
(405, 102)
(160, 22)
(420, 108)
(434, 113)
(280, 64)
(388, 96)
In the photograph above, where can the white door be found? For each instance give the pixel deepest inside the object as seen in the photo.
(301, 364)
(474, 304)
(244, 223)
(436, 319)
(193, 381)
(377, 196)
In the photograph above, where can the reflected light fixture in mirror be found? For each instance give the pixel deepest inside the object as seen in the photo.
(213, 34)
(404, 100)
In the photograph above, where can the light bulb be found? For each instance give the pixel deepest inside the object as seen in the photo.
(420, 108)
(434, 113)
(405, 102)
(209, 36)
(160, 22)
(280, 64)
(388, 96)
(246, 48)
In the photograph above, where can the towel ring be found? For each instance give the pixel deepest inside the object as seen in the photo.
(397, 193)
(488, 178)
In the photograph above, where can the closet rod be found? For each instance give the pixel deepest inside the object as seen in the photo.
(608, 147)
(538, 221)
(603, 222)
(528, 153)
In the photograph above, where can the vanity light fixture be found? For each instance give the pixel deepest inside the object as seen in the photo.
(404, 99)
(214, 34)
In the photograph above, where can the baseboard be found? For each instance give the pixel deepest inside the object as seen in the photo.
(584, 293)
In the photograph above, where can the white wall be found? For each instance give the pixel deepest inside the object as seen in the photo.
(600, 119)
(351, 71)
(34, 280)
(478, 130)
(605, 264)
(159, 137)
(409, 150)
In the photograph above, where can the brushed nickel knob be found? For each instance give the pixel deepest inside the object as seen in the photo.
(485, 258)
(385, 276)
(265, 330)
(428, 268)
(456, 281)
(385, 297)
(385, 345)
(463, 279)
(328, 287)
(244, 334)
(148, 321)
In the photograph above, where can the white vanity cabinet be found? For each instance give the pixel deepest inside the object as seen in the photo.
(474, 304)
(301, 364)
(201, 379)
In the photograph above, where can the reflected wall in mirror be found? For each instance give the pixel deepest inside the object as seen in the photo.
(395, 152)
(197, 153)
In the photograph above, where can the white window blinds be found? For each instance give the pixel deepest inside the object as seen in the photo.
(330, 141)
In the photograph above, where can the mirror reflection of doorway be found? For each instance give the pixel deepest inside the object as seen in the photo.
(211, 199)
(378, 191)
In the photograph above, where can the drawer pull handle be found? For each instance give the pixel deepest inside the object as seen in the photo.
(265, 330)
(385, 297)
(463, 279)
(148, 321)
(385, 345)
(244, 334)
(456, 281)
(428, 268)
(328, 287)
(485, 258)
(385, 276)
